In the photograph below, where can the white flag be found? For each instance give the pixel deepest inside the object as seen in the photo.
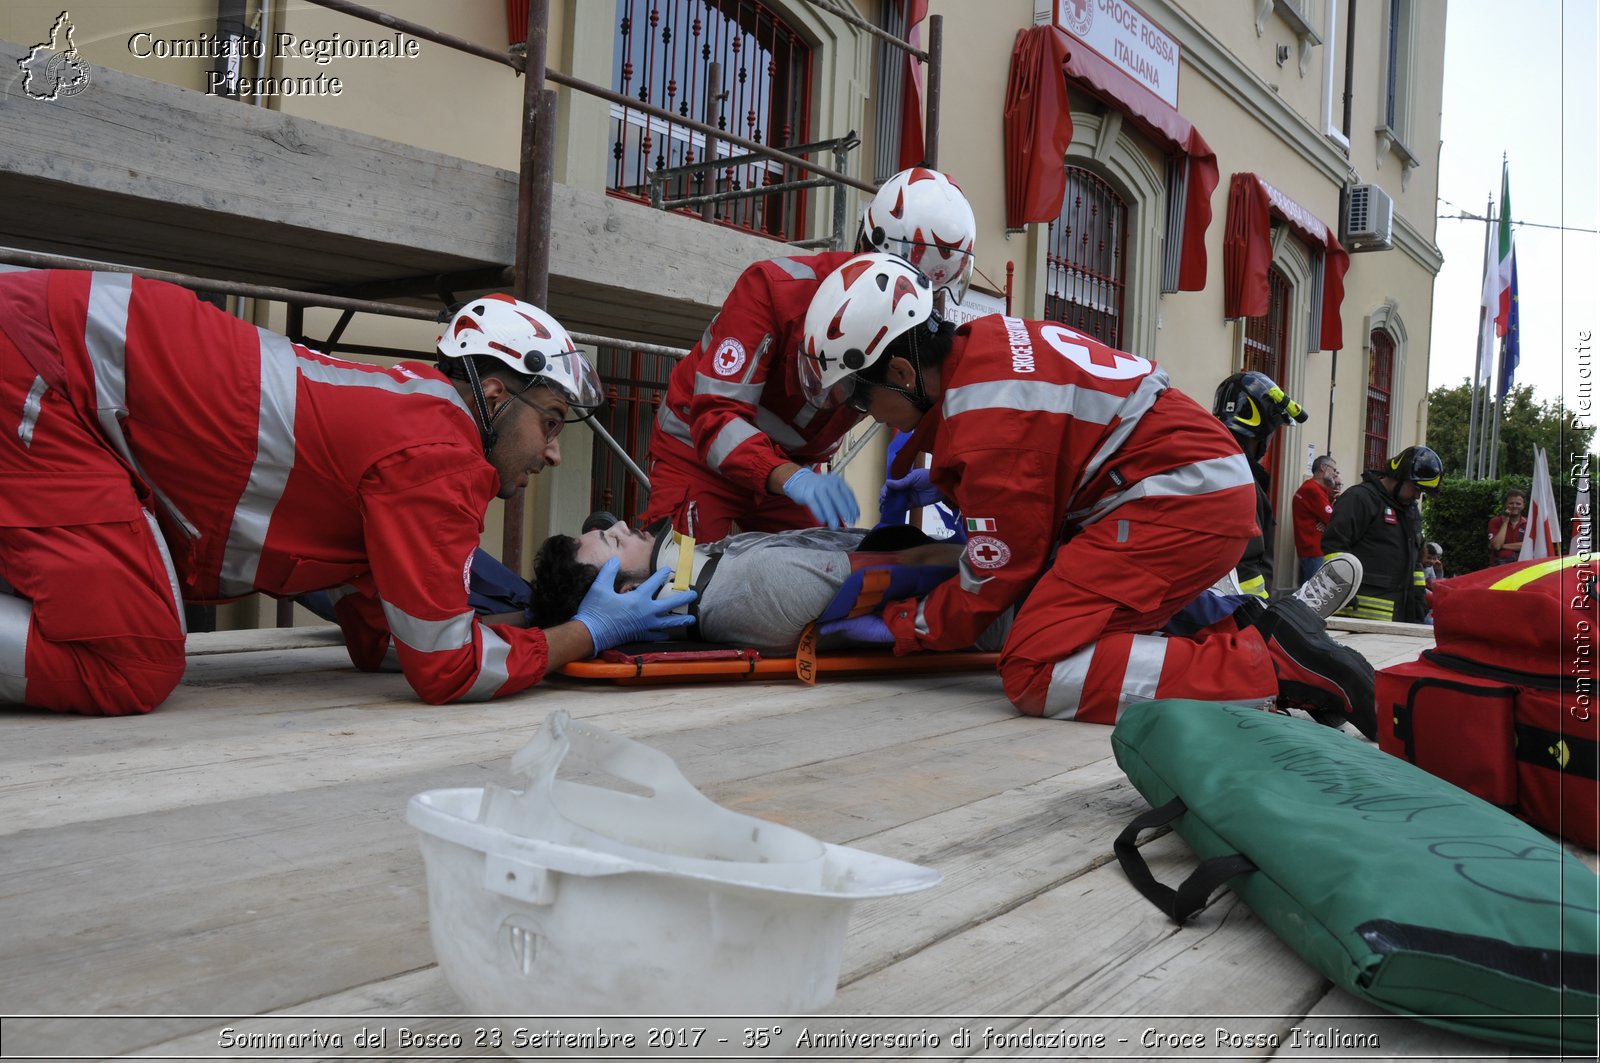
(1544, 537)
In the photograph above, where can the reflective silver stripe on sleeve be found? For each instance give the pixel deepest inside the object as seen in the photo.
(796, 269)
(350, 376)
(269, 472)
(732, 434)
(778, 430)
(673, 425)
(971, 582)
(1201, 478)
(727, 389)
(1066, 685)
(1146, 657)
(105, 337)
(705, 337)
(1134, 407)
(493, 670)
(921, 626)
(429, 636)
(15, 615)
(172, 572)
(30, 412)
(1095, 407)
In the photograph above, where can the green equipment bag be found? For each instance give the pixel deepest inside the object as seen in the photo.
(1403, 889)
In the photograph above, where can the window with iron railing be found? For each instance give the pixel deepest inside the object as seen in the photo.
(636, 386)
(1380, 390)
(666, 51)
(1086, 259)
(1266, 350)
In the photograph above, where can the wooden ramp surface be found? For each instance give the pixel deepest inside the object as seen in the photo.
(240, 860)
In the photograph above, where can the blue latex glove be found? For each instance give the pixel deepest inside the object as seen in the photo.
(827, 496)
(632, 616)
(898, 497)
(866, 630)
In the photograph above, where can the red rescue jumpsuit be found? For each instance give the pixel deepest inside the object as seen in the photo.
(735, 411)
(1042, 436)
(155, 450)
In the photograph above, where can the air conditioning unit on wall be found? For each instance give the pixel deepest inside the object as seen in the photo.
(1368, 219)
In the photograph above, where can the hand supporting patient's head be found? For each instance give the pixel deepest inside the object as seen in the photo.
(560, 581)
(564, 568)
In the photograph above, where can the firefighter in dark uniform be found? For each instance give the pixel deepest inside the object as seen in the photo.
(1254, 407)
(1379, 521)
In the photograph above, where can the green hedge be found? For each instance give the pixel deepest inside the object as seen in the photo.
(1457, 518)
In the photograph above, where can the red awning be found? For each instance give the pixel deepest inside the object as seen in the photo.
(1247, 253)
(1038, 129)
(913, 150)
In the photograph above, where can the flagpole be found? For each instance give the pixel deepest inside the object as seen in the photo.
(1477, 360)
(1499, 415)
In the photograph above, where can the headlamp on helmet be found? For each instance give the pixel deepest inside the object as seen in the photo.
(1253, 406)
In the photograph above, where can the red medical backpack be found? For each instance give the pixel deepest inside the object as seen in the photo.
(1505, 705)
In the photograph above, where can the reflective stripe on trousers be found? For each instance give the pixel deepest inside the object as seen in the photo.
(15, 616)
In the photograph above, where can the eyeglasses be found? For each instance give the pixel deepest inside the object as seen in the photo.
(860, 396)
(553, 422)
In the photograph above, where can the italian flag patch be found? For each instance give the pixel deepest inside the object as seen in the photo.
(981, 524)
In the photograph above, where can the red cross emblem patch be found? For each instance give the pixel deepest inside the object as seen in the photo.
(985, 551)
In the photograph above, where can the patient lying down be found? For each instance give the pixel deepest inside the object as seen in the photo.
(757, 589)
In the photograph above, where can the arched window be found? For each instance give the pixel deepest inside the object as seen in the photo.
(1266, 350)
(1086, 258)
(1380, 395)
(663, 56)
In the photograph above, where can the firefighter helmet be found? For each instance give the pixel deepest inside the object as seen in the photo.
(921, 215)
(1253, 406)
(857, 311)
(528, 341)
(1418, 465)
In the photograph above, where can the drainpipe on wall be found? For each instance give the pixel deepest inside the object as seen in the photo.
(230, 61)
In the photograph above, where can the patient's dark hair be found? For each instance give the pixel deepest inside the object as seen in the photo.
(560, 581)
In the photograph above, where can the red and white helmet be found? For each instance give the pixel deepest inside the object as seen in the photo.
(920, 215)
(857, 311)
(526, 339)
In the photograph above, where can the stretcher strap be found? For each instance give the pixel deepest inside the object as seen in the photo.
(1195, 891)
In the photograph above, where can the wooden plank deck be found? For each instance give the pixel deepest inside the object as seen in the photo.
(240, 858)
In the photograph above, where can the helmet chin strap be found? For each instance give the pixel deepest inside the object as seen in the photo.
(486, 420)
(920, 398)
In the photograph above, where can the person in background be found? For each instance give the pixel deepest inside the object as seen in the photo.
(1378, 520)
(1508, 528)
(1432, 563)
(1310, 511)
(1254, 407)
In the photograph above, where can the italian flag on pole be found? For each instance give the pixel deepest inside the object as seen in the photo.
(1497, 279)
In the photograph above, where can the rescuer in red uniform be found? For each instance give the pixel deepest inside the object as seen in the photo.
(155, 450)
(1089, 485)
(736, 435)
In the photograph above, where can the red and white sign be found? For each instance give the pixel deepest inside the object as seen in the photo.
(1120, 33)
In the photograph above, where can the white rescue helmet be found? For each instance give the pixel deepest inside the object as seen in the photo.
(857, 312)
(528, 341)
(920, 215)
